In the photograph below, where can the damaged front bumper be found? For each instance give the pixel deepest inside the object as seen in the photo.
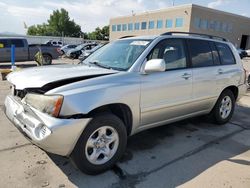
(54, 135)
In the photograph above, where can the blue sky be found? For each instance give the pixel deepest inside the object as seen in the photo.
(93, 13)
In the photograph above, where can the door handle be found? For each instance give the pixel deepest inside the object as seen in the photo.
(186, 76)
(220, 71)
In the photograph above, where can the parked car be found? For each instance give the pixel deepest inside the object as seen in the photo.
(54, 43)
(66, 48)
(76, 52)
(248, 52)
(86, 53)
(25, 52)
(87, 111)
(242, 53)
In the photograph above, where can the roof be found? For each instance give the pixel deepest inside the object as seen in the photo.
(146, 37)
(181, 7)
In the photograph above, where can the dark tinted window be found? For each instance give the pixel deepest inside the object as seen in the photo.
(4, 43)
(200, 53)
(173, 53)
(17, 42)
(215, 53)
(226, 55)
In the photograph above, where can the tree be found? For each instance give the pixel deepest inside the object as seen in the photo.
(99, 34)
(59, 24)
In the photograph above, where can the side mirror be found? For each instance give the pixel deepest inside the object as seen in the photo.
(155, 65)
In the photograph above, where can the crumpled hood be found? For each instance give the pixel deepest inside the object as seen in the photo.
(39, 76)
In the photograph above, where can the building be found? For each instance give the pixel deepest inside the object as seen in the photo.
(187, 18)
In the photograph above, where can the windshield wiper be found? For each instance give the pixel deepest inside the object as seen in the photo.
(105, 66)
(99, 64)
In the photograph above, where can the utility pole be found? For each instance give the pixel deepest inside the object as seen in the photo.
(173, 2)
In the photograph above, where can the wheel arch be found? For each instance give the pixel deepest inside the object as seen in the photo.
(121, 110)
(234, 90)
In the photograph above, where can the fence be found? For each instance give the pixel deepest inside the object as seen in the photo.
(42, 39)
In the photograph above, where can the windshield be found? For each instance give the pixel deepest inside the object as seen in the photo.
(79, 47)
(119, 55)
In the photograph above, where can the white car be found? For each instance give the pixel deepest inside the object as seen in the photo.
(88, 111)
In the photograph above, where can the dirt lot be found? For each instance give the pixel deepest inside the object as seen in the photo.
(190, 153)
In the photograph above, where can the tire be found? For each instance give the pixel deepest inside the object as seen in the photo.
(47, 59)
(88, 144)
(222, 114)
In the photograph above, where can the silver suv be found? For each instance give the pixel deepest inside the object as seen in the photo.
(87, 111)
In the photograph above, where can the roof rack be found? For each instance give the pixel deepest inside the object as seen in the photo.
(196, 34)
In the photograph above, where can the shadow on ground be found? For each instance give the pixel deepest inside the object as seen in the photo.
(144, 144)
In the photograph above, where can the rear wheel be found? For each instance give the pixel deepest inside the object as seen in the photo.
(224, 107)
(101, 144)
(47, 59)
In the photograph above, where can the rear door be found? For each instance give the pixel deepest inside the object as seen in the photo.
(4, 50)
(204, 63)
(21, 49)
(167, 95)
(228, 72)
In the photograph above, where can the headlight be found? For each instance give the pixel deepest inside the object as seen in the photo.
(50, 104)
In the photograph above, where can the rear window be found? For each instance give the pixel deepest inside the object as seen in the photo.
(226, 55)
(17, 42)
(200, 53)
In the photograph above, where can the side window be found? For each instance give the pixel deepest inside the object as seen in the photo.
(4, 43)
(215, 53)
(200, 53)
(17, 42)
(172, 51)
(226, 55)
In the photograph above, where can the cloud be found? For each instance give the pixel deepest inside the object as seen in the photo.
(89, 14)
(217, 3)
(94, 13)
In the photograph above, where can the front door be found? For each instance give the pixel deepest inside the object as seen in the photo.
(166, 95)
(4, 50)
(21, 51)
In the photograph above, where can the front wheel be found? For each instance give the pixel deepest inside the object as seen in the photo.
(224, 107)
(101, 144)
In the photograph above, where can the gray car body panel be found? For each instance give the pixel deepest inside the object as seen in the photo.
(27, 52)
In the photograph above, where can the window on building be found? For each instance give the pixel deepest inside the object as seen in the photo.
(217, 26)
(200, 53)
(230, 28)
(159, 24)
(113, 27)
(224, 27)
(179, 22)
(212, 25)
(137, 26)
(144, 25)
(124, 27)
(119, 27)
(169, 23)
(172, 51)
(197, 22)
(225, 53)
(151, 24)
(204, 24)
(130, 26)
